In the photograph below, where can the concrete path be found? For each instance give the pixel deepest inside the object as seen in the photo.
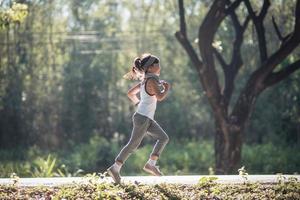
(192, 179)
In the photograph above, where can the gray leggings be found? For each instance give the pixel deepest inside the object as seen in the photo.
(141, 126)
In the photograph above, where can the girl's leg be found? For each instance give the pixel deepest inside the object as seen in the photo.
(140, 126)
(162, 139)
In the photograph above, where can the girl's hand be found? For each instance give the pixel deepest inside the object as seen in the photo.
(132, 93)
(166, 84)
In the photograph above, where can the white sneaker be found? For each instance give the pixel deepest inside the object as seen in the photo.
(114, 174)
(152, 169)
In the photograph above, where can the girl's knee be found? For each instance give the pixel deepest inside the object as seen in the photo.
(166, 139)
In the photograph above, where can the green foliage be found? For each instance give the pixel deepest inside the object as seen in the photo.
(13, 15)
(207, 181)
(39, 166)
(243, 173)
(270, 158)
(194, 157)
(15, 178)
(287, 190)
(44, 167)
(49, 168)
(22, 169)
(96, 155)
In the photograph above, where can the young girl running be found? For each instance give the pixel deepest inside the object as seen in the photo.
(151, 89)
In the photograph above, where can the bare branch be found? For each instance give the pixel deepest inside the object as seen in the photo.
(250, 10)
(264, 9)
(291, 42)
(236, 62)
(182, 18)
(182, 38)
(276, 77)
(283, 39)
(262, 13)
(220, 59)
(256, 83)
(189, 49)
(259, 27)
(297, 15)
(232, 6)
(280, 37)
(276, 58)
(295, 32)
(245, 24)
(235, 21)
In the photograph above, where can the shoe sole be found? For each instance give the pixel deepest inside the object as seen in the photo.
(151, 172)
(112, 175)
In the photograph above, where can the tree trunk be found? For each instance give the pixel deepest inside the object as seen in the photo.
(227, 151)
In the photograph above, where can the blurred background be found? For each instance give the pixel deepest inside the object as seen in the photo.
(64, 109)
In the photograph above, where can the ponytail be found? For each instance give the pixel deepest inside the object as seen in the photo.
(138, 63)
(136, 72)
(131, 75)
(140, 66)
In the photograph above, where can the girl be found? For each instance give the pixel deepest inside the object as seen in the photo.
(151, 89)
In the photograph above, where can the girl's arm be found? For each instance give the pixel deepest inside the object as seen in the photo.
(132, 93)
(153, 89)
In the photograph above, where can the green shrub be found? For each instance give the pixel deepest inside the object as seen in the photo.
(271, 158)
(96, 155)
(22, 169)
(185, 157)
(179, 158)
(289, 189)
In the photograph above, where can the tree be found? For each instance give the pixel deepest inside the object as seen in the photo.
(10, 88)
(230, 123)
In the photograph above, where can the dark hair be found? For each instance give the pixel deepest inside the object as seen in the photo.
(146, 60)
(138, 64)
